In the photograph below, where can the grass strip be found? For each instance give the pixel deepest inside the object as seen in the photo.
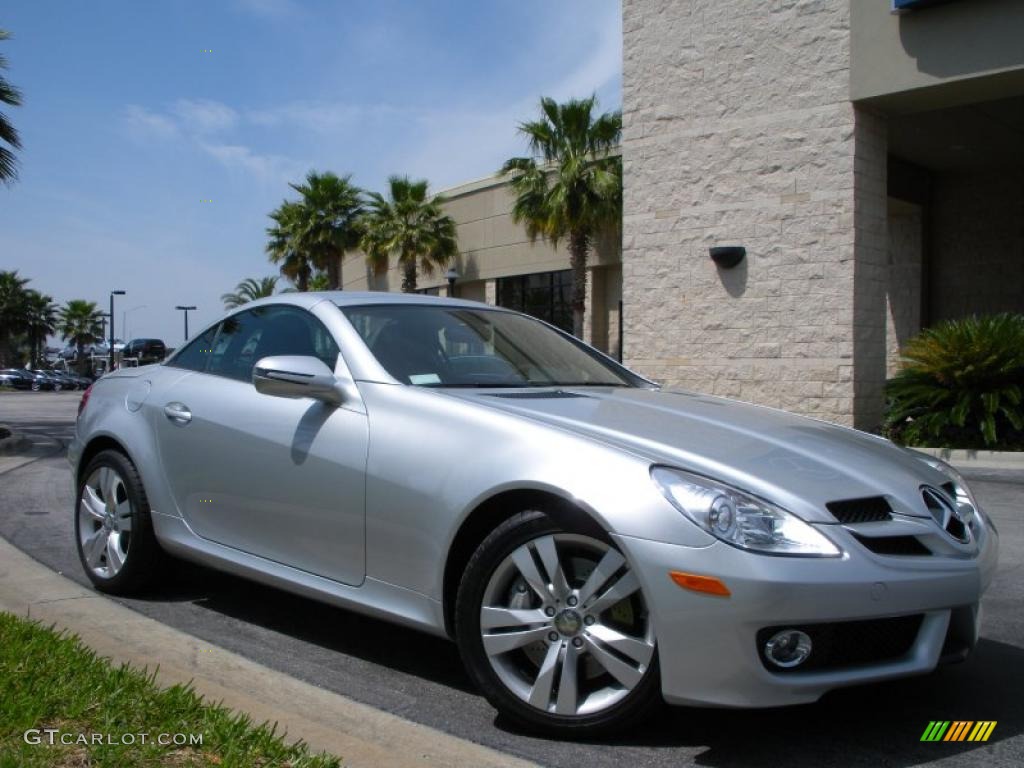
(50, 680)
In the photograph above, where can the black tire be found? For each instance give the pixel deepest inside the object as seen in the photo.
(35, 386)
(505, 539)
(144, 559)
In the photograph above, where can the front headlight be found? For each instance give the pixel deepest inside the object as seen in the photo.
(738, 518)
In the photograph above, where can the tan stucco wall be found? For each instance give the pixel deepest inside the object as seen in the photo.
(963, 51)
(491, 245)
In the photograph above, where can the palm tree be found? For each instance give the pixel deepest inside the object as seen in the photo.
(12, 311)
(319, 282)
(332, 208)
(571, 187)
(81, 322)
(285, 246)
(248, 290)
(411, 226)
(40, 322)
(12, 97)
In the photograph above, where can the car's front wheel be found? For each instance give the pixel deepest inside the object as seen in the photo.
(554, 628)
(113, 528)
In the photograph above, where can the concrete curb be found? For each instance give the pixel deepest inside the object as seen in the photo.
(968, 459)
(359, 734)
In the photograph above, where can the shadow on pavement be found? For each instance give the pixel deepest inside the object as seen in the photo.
(864, 725)
(326, 626)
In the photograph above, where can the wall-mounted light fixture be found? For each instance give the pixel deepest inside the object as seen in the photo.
(728, 256)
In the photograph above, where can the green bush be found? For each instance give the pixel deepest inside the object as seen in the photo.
(962, 386)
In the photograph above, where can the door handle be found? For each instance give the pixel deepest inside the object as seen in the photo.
(178, 413)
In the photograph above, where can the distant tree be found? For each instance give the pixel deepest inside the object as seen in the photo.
(13, 297)
(319, 282)
(410, 225)
(571, 186)
(80, 322)
(250, 289)
(330, 218)
(40, 322)
(285, 246)
(10, 96)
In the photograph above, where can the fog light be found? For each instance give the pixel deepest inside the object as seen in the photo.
(788, 648)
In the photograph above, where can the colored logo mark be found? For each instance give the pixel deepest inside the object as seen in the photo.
(959, 730)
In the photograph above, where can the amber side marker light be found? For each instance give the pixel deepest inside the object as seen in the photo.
(709, 585)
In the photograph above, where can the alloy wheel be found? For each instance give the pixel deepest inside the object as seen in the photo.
(565, 626)
(105, 522)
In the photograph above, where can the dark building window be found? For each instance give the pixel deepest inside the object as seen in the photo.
(429, 291)
(545, 295)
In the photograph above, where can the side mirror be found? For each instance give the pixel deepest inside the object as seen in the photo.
(296, 376)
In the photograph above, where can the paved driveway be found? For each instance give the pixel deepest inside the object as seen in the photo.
(421, 678)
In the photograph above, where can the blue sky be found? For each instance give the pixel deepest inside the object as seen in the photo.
(128, 124)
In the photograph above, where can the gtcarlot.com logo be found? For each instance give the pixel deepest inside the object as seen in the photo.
(53, 736)
(958, 730)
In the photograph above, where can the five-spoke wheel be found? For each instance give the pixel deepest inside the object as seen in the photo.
(113, 527)
(563, 637)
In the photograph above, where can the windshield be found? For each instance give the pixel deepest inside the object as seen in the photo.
(437, 346)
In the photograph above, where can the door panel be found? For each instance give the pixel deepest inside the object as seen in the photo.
(276, 477)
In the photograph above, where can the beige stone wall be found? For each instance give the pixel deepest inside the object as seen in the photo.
(738, 130)
(903, 300)
(977, 243)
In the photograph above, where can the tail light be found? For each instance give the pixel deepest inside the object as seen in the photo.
(85, 399)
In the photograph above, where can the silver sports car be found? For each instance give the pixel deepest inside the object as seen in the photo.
(594, 544)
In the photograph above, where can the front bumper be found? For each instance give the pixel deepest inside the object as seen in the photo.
(707, 644)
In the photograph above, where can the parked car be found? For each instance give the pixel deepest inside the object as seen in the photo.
(28, 379)
(57, 382)
(592, 542)
(71, 381)
(15, 378)
(146, 351)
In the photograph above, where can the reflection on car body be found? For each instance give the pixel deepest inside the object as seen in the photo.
(592, 542)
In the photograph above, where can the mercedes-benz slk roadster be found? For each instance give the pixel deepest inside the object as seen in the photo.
(592, 542)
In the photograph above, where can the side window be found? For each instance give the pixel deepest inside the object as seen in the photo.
(195, 355)
(249, 336)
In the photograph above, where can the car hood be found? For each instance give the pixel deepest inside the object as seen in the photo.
(797, 462)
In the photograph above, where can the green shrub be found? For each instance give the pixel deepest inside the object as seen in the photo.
(962, 386)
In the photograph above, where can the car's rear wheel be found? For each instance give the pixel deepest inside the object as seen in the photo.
(35, 386)
(554, 628)
(113, 527)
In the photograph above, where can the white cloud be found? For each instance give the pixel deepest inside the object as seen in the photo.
(263, 167)
(204, 115)
(145, 124)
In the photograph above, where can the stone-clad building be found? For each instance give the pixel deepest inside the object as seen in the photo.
(869, 159)
(871, 162)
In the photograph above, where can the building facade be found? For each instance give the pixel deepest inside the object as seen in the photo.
(868, 158)
(499, 264)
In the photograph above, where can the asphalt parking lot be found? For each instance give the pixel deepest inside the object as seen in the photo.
(420, 677)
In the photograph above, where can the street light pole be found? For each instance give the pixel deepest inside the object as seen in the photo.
(186, 311)
(112, 295)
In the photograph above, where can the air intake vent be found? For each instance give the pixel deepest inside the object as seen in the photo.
(907, 546)
(869, 510)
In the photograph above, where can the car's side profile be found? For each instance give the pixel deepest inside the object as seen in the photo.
(591, 542)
